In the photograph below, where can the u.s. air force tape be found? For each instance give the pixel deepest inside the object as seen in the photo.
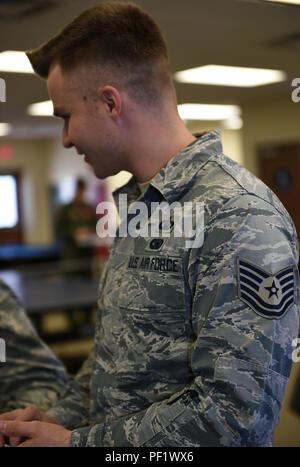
(155, 263)
(269, 295)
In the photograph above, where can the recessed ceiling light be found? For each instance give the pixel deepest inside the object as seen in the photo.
(292, 2)
(12, 61)
(229, 76)
(41, 109)
(207, 111)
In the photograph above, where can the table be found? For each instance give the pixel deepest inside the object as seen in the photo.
(41, 291)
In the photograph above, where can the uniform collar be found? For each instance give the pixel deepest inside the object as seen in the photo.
(176, 176)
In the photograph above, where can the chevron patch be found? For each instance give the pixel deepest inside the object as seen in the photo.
(269, 295)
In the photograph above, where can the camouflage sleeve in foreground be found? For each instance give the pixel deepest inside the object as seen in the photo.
(31, 374)
(73, 408)
(240, 355)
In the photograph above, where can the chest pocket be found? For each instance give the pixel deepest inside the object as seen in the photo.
(144, 300)
(144, 275)
(153, 281)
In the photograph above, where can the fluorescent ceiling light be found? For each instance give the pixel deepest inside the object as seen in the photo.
(5, 129)
(293, 2)
(233, 123)
(229, 76)
(41, 109)
(15, 62)
(207, 111)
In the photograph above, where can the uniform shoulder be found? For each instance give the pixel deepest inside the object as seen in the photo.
(221, 179)
(223, 185)
(249, 182)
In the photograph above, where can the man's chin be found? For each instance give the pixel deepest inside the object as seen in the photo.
(99, 171)
(86, 160)
(101, 174)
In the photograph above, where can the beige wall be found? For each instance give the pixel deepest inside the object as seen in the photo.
(31, 158)
(268, 121)
(231, 139)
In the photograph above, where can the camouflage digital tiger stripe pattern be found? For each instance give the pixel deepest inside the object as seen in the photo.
(31, 374)
(180, 357)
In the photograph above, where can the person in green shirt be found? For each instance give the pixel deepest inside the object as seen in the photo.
(75, 226)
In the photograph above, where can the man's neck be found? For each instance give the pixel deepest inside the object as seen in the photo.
(157, 148)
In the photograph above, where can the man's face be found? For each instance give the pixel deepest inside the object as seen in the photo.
(87, 125)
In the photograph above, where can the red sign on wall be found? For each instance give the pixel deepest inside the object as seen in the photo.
(6, 152)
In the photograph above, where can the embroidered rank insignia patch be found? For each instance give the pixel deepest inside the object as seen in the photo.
(269, 295)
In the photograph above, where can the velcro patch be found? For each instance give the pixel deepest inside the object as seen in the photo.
(269, 295)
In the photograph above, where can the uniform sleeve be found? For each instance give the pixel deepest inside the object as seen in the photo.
(30, 374)
(73, 408)
(241, 353)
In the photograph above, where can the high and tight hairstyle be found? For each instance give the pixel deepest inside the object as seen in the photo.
(121, 39)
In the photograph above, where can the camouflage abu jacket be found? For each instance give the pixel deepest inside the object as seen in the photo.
(193, 346)
(30, 372)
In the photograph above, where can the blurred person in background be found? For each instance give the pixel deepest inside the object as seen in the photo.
(76, 228)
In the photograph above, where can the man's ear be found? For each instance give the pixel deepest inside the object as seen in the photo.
(111, 98)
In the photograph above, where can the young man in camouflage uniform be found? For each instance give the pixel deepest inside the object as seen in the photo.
(193, 342)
